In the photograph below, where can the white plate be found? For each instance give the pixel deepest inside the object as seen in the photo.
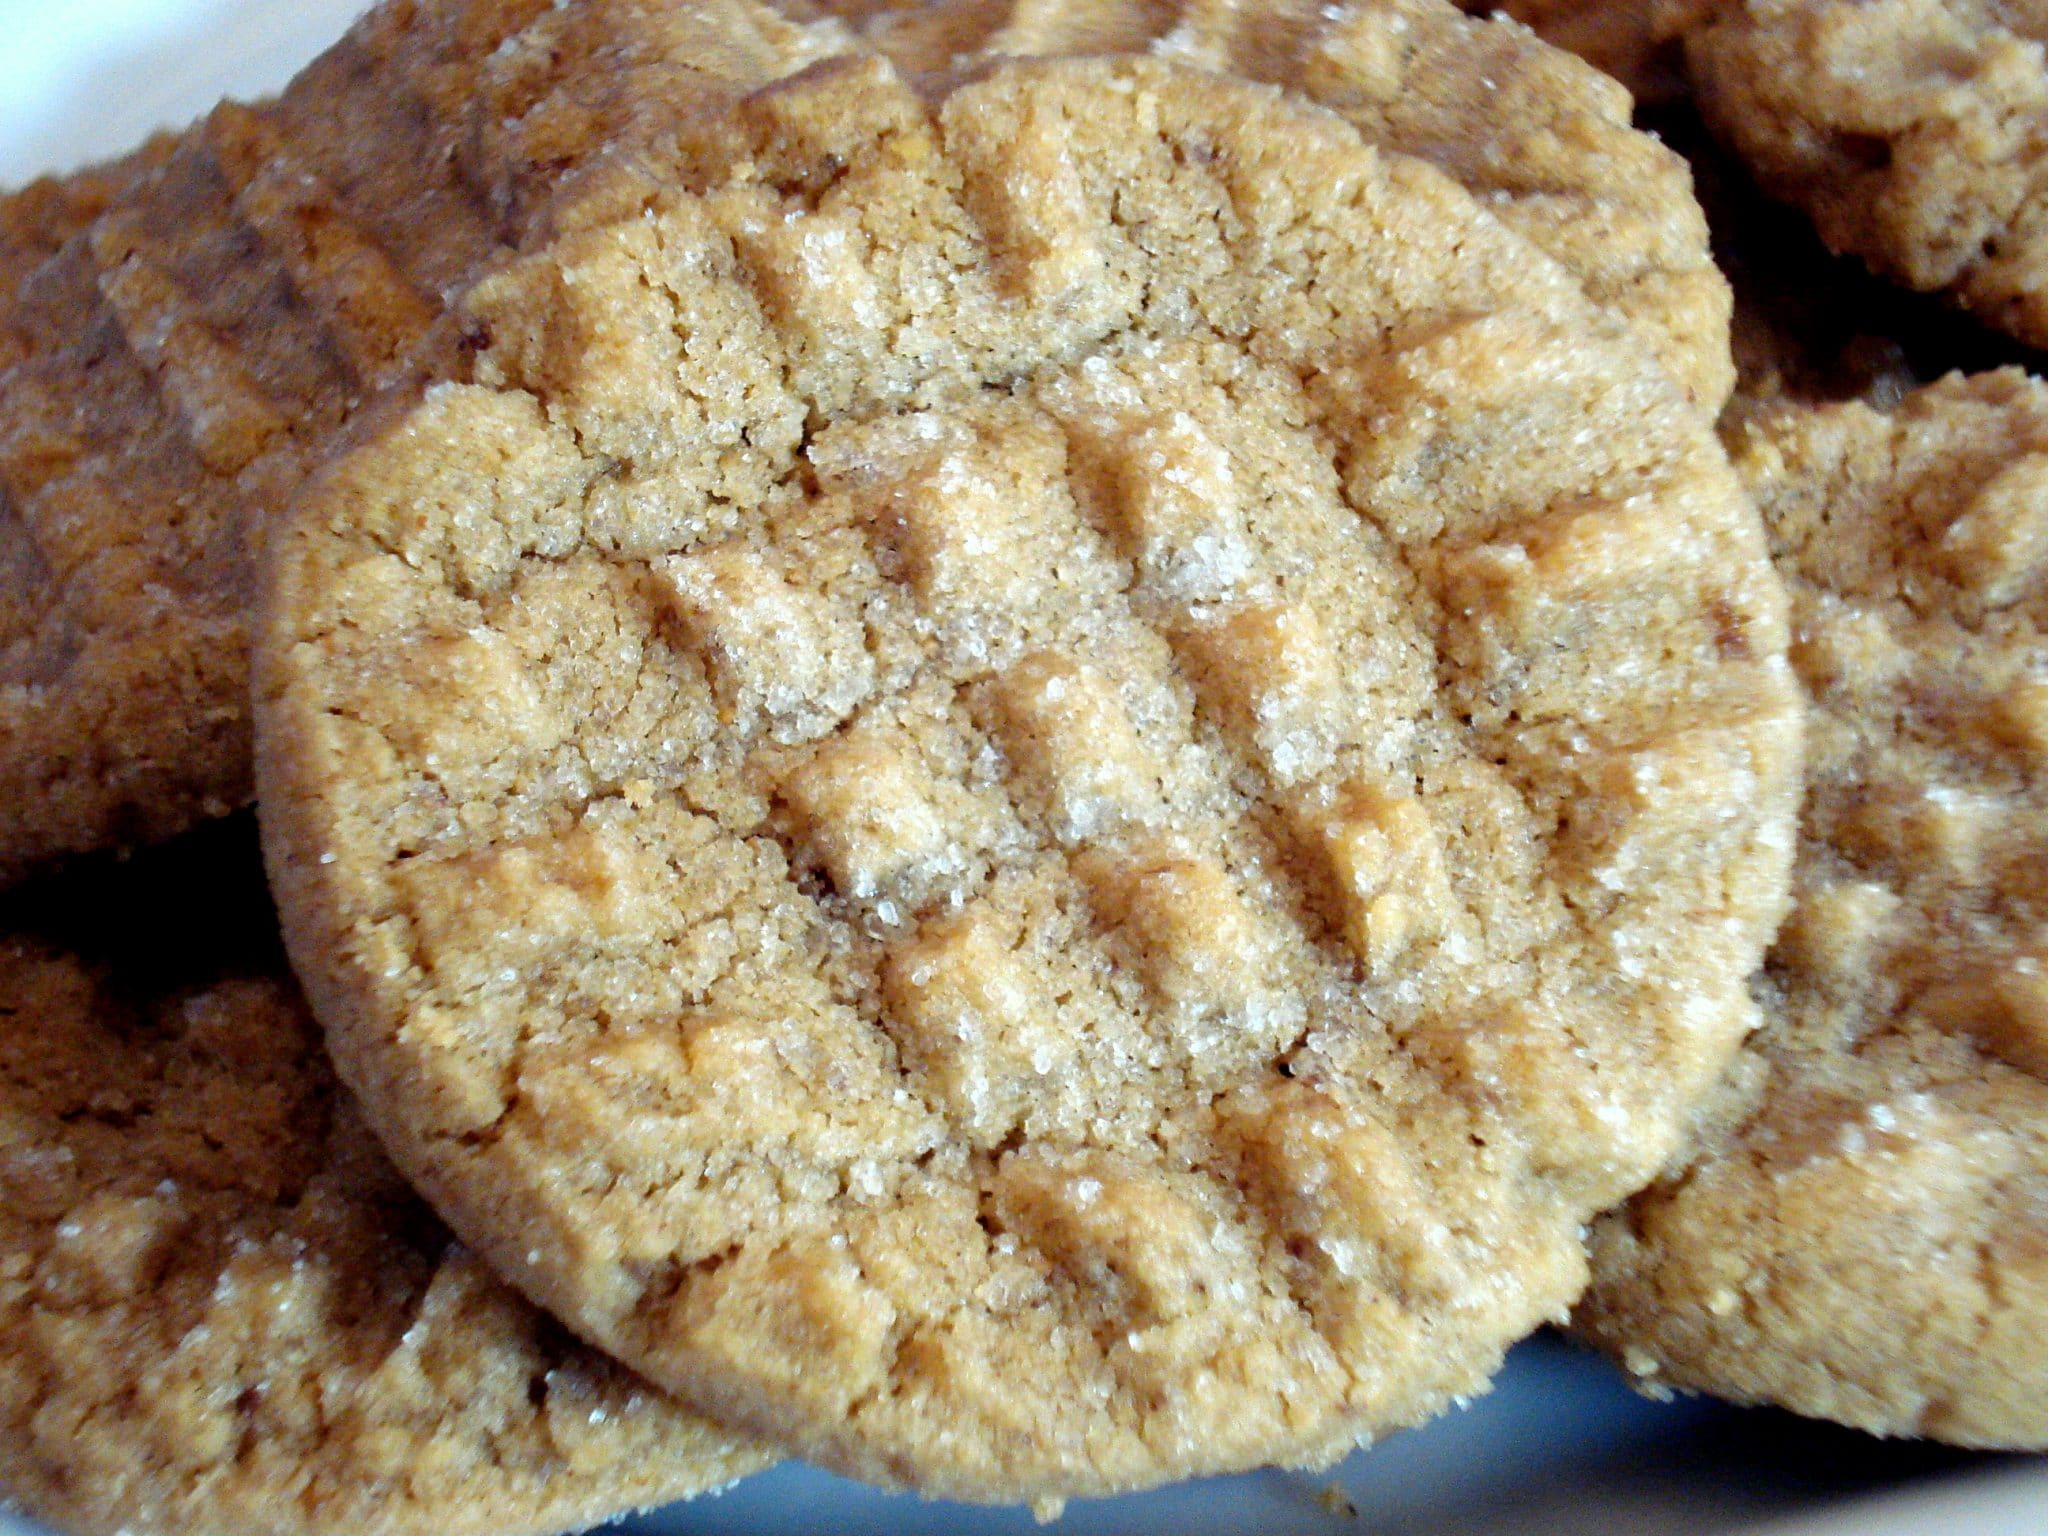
(1560, 1448)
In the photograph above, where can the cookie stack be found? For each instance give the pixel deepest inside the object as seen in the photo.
(1019, 747)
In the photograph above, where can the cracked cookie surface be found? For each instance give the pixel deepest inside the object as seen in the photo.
(1912, 132)
(220, 1308)
(1543, 140)
(183, 359)
(1039, 796)
(1863, 1235)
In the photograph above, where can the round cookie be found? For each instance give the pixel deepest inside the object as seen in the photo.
(185, 359)
(1040, 796)
(1544, 141)
(1863, 1232)
(1911, 131)
(220, 1309)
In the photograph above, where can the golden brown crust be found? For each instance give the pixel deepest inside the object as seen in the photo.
(180, 364)
(1628, 39)
(1542, 139)
(1911, 131)
(220, 1309)
(1863, 1235)
(993, 798)
(36, 221)
(127, 470)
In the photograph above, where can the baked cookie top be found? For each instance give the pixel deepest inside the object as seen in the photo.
(1627, 39)
(1913, 132)
(1863, 1234)
(1544, 141)
(1041, 795)
(187, 355)
(36, 220)
(220, 1309)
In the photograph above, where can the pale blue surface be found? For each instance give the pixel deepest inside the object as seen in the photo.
(1560, 1448)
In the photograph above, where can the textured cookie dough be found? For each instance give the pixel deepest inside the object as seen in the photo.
(1039, 797)
(1913, 132)
(37, 219)
(1627, 39)
(1863, 1235)
(35, 222)
(180, 363)
(221, 1310)
(1542, 140)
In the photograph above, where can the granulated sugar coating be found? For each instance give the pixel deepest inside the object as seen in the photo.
(1628, 39)
(221, 1310)
(1914, 132)
(1541, 139)
(1864, 1233)
(197, 338)
(1040, 796)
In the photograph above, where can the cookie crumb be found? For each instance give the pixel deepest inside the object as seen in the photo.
(1333, 1498)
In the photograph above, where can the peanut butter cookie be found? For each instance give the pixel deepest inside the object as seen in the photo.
(1039, 796)
(1862, 1234)
(1913, 132)
(180, 364)
(220, 1309)
(1542, 140)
